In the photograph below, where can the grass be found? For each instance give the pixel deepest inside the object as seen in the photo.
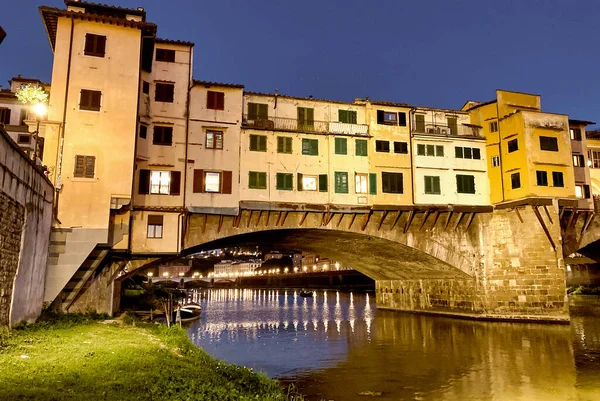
(76, 357)
(583, 290)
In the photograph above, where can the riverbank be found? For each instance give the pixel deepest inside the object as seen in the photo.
(66, 357)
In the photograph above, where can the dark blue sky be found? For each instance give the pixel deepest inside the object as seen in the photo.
(431, 53)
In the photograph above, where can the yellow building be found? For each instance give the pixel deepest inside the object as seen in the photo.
(593, 162)
(581, 171)
(528, 151)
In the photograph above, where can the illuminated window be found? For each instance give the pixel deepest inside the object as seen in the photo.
(155, 226)
(387, 117)
(575, 134)
(309, 182)
(578, 161)
(159, 182)
(579, 191)
(214, 139)
(212, 182)
(361, 183)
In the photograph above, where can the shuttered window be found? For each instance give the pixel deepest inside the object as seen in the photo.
(558, 179)
(432, 185)
(5, 115)
(307, 182)
(284, 181)
(258, 143)
(284, 144)
(214, 139)
(310, 147)
(400, 147)
(361, 183)
(155, 226)
(513, 145)
(90, 100)
(257, 180)
(84, 166)
(575, 134)
(515, 180)
(430, 150)
(392, 183)
(341, 146)
(306, 119)
(402, 119)
(382, 146)
(145, 87)
(549, 143)
(166, 55)
(162, 135)
(341, 182)
(322, 182)
(462, 152)
(453, 125)
(419, 123)
(361, 147)
(258, 111)
(373, 183)
(465, 184)
(347, 116)
(215, 100)
(164, 92)
(542, 178)
(95, 45)
(143, 131)
(212, 181)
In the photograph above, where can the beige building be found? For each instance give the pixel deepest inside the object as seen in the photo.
(593, 160)
(580, 154)
(236, 268)
(449, 160)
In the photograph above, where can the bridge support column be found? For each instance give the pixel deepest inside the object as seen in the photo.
(520, 275)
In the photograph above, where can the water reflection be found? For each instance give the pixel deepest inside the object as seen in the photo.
(337, 345)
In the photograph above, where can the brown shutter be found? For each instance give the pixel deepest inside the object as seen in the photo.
(227, 182)
(79, 166)
(144, 184)
(101, 45)
(300, 187)
(7, 116)
(90, 164)
(220, 101)
(210, 100)
(96, 96)
(175, 188)
(155, 220)
(198, 186)
(89, 43)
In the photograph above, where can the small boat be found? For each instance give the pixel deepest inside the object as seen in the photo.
(187, 313)
(306, 294)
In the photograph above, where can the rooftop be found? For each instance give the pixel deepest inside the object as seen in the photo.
(102, 9)
(209, 83)
(173, 42)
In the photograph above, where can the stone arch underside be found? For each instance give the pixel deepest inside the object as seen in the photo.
(378, 258)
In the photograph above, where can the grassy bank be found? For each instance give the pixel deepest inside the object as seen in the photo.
(79, 358)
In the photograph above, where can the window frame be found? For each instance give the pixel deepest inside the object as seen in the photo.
(382, 146)
(217, 135)
(512, 145)
(94, 52)
(340, 181)
(215, 100)
(340, 146)
(164, 52)
(548, 143)
(386, 180)
(84, 173)
(465, 184)
(311, 148)
(515, 180)
(433, 180)
(154, 226)
(285, 145)
(314, 177)
(143, 131)
(286, 178)
(165, 96)
(496, 161)
(259, 140)
(91, 106)
(575, 134)
(359, 180)
(400, 148)
(363, 149)
(493, 126)
(350, 115)
(561, 180)
(541, 178)
(578, 160)
(258, 175)
(205, 183)
(161, 185)
(164, 129)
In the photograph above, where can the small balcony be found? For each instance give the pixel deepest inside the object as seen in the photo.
(467, 130)
(307, 126)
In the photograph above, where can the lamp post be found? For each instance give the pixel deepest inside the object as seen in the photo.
(40, 110)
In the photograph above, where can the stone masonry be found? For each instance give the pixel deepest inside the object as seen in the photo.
(12, 217)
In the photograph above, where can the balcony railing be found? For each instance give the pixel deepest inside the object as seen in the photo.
(442, 129)
(295, 125)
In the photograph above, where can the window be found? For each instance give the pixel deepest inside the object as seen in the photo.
(382, 146)
(430, 150)
(392, 183)
(5, 115)
(258, 111)
(549, 143)
(452, 125)
(160, 182)
(310, 147)
(84, 166)
(387, 117)
(143, 131)
(494, 126)
(212, 181)
(575, 134)
(542, 178)
(145, 87)
(594, 158)
(461, 152)
(164, 92)
(23, 138)
(495, 161)
(341, 146)
(515, 180)
(402, 119)
(307, 182)
(165, 55)
(419, 123)
(347, 116)
(215, 100)
(90, 100)
(361, 147)
(258, 143)
(432, 185)
(465, 184)
(284, 181)
(162, 135)
(284, 144)
(361, 181)
(214, 139)
(22, 117)
(341, 182)
(582, 191)
(400, 147)
(155, 226)
(257, 180)
(513, 145)
(95, 45)
(306, 119)
(322, 182)
(557, 179)
(578, 161)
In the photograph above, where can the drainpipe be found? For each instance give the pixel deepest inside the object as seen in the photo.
(61, 137)
(185, 162)
(500, 152)
(410, 151)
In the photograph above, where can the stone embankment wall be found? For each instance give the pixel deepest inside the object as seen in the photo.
(26, 198)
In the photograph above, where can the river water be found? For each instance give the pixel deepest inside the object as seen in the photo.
(338, 346)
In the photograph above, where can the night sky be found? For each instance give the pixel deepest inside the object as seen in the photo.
(430, 53)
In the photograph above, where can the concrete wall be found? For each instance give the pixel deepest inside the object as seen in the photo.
(25, 217)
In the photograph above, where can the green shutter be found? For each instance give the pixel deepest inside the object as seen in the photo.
(300, 188)
(262, 180)
(341, 182)
(314, 147)
(439, 150)
(436, 185)
(252, 179)
(342, 116)
(428, 188)
(263, 111)
(373, 183)
(252, 111)
(341, 146)
(289, 184)
(280, 140)
(322, 182)
(262, 143)
(253, 141)
(280, 182)
(361, 147)
(421, 149)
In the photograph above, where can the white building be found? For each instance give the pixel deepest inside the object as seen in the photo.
(235, 268)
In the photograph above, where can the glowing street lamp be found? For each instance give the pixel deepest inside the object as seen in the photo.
(40, 111)
(150, 274)
(337, 266)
